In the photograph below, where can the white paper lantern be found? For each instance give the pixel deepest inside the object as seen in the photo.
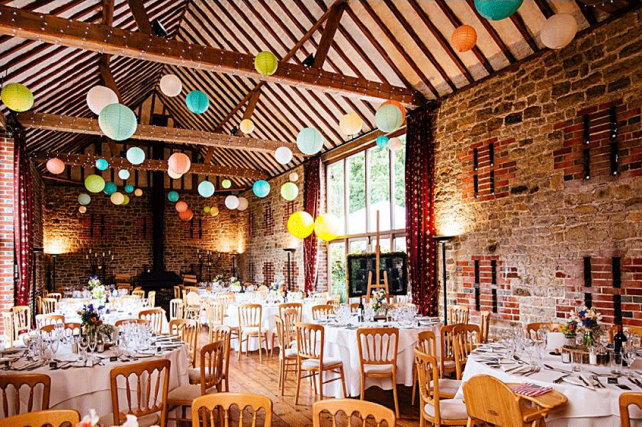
(174, 175)
(283, 155)
(171, 85)
(232, 202)
(558, 31)
(293, 177)
(99, 97)
(394, 144)
(243, 204)
(350, 124)
(123, 174)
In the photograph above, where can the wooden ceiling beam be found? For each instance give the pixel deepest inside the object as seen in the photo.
(587, 11)
(116, 41)
(251, 104)
(493, 33)
(519, 23)
(545, 8)
(331, 26)
(137, 8)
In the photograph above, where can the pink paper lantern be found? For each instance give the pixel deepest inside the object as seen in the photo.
(55, 166)
(179, 163)
(181, 206)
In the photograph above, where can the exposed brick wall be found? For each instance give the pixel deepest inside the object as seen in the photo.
(6, 223)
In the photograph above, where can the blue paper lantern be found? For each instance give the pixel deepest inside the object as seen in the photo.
(382, 141)
(172, 196)
(117, 121)
(135, 155)
(123, 174)
(388, 118)
(496, 10)
(206, 189)
(129, 188)
(84, 199)
(110, 188)
(102, 164)
(261, 188)
(309, 141)
(197, 102)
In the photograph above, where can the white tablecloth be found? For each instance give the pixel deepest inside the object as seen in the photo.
(585, 408)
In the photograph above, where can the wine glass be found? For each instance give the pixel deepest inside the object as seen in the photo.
(54, 343)
(83, 344)
(93, 342)
(630, 354)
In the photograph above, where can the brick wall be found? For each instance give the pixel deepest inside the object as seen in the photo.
(6, 223)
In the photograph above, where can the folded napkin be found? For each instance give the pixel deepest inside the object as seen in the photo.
(531, 390)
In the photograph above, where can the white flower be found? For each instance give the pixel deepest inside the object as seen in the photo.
(92, 418)
(132, 421)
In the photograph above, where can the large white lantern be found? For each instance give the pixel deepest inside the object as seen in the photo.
(283, 155)
(171, 85)
(231, 202)
(99, 97)
(558, 31)
(350, 124)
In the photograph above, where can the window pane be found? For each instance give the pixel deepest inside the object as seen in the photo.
(379, 188)
(356, 194)
(337, 260)
(357, 246)
(336, 193)
(399, 195)
(384, 244)
(400, 244)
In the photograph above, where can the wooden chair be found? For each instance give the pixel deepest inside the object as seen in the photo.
(178, 291)
(151, 299)
(290, 319)
(21, 320)
(155, 317)
(447, 364)
(354, 307)
(125, 286)
(465, 340)
(349, 407)
(484, 326)
(215, 312)
(72, 327)
(226, 298)
(55, 295)
(203, 409)
(427, 344)
(147, 401)
(139, 293)
(458, 314)
(287, 356)
(187, 330)
(627, 329)
(13, 383)
(297, 306)
(322, 310)
(532, 329)
(434, 410)
(250, 319)
(224, 333)
(48, 319)
(176, 309)
(51, 418)
(626, 400)
(378, 349)
(310, 342)
(126, 321)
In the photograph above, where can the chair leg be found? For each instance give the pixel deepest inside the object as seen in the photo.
(363, 387)
(298, 383)
(343, 382)
(272, 349)
(414, 384)
(260, 348)
(422, 419)
(240, 345)
(394, 392)
(320, 384)
(470, 423)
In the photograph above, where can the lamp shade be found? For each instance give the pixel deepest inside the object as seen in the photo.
(102, 164)
(266, 63)
(246, 126)
(99, 97)
(496, 10)
(243, 204)
(309, 141)
(394, 144)
(197, 102)
(95, 183)
(55, 166)
(110, 188)
(186, 215)
(261, 188)
(558, 31)
(129, 188)
(388, 118)
(125, 200)
(124, 174)
(174, 175)
(117, 121)
(283, 155)
(117, 198)
(231, 202)
(226, 183)
(171, 85)
(172, 196)
(179, 163)
(84, 199)
(135, 155)
(300, 224)
(206, 189)
(289, 191)
(17, 97)
(350, 124)
(181, 206)
(399, 105)
(214, 211)
(82, 209)
(382, 141)
(464, 38)
(293, 177)
(327, 227)
(138, 192)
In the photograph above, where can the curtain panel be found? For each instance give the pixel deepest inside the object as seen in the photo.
(22, 220)
(311, 199)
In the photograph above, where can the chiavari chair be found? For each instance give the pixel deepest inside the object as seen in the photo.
(484, 326)
(465, 340)
(322, 310)
(178, 291)
(626, 400)
(532, 329)
(21, 320)
(250, 319)
(49, 418)
(176, 309)
(297, 306)
(367, 411)
(447, 364)
(627, 330)
(354, 307)
(48, 305)
(204, 408)
(287, 356)
(55, 295)
(192, 308)
(48, 319)
(139, 293)
(125, 286)
(427, 344)
(226, 298)
(155, 317)
(224, 333)
(72, 327)
(458, 314)
(151, 299)
(12, 385)
(126, 321)
(187, 330)
(215, 313)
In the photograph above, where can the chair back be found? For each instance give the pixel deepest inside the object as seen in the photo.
(212, 364)
(55, 295)
(178, 291)
(427, 343)
(374, 413)
(484, 326)
(176, 309)
(290, 319)
(21, 320)
(72, 327)
(250, 316)
(125, 286)
(139, 293)
(48, 319)
(378, 346)
(155, 317)
(291, 306)
(186, 330)
(280, 334)
(204, 409)
(428, 376)
(151, 379)
(447, 345)
(323, 310)
(626, 400)
(226, 298)
(465, 340)
(151, 299)
(458, 314)
(126, 321)
(193, 298)
(50, 418)
(354, 307)
(215, 313)
(532, 329)
(310, 339)
(627, 329)
(12, 384)
(488, 400)
(223, 333)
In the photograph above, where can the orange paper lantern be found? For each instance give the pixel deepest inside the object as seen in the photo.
(179, 163)
(464, 38)
(187, 215)
(55, 166)
(181, 206)
(400, 106)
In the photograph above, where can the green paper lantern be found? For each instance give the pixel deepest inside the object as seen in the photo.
(110, 188)
(102, 164)
(261, 188)
(129, 188)
(84, 199)
(206, 189)
(309, 141)
(226, 183)
(197, 102)
(382, 141)
(125, 199)
(266, 63)
(388, 118)
(172, 196)
(207, 209)
(496, 10)
(117, 121)
(17, 97)
(289, 191)
(95, 183)
(135, 156)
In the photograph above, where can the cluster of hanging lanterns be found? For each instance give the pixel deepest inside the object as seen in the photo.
(326, 227)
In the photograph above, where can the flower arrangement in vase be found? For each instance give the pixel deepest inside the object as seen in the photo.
(235, 285)
(91, 324)
(379, 302)
(585, 322)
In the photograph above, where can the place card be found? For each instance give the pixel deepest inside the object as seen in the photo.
(53, 365)
(612, 380)
(113, 358)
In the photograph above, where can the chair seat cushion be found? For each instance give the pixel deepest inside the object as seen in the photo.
(451, 409)
(449, 364)
(290, 352)
(250, 330)
(186, 393)
(144, 421)
(194, 375)
(327, 362)
(448, 387)
(377, 369)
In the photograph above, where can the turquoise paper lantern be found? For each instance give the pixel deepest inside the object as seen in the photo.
(102, 164)
(110, 188)
(382, 141)
(388, 118)
(123, 174)
(206, 189)
(197, 102)
(117, 121)
(309, 141)
(172, 196)
(129, 188)
(84, 199)
(261, 188)
(135, 155)
(496, 10)
(95, 183)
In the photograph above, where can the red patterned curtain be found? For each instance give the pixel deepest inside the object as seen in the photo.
(311, 195)
(420, 212)
(22, 220)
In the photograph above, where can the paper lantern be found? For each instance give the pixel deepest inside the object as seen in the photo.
(125, 200)
(55, 166)
(17, 97)
(117, 121)
(261, 188)
(496, 10)
(283, 155)
(124, 174)
(243, 204)
(231, 202)
(172, 196)
(300, 224)
(246, 126)
(179, 163)
(327, 227)
(174, 175)
(289, 191)
(226, 183)
(171, 85)
(84, 199)
(309, 141)
(186, 215)
(197, 102)
(388, 118)
(207, 209)
(99, 97)
(138, 192)
(117, 198)
(394, 144)
(82, 209)
(266, 63)
(558, 31)
(206, 189)
(464, 38)
(110, 188)
(181, 206)
(214, 211)
(399, 105)
(135, 155)
(102, 164)
(129, 188)
(293, 177)
(350, 124)
(95, 183)
(382, 141)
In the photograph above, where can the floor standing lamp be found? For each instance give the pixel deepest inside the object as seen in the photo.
(443, 240)
(53, 273)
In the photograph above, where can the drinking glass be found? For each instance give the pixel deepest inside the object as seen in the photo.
(53, 346)
(93, 342)
(615, 361)
(83, 344)
(630, 354)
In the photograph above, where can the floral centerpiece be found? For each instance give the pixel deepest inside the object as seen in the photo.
(379, 302)
(277, 287)
(235, 285)
(98, 291)
(91, 323)
(586, 322)
(93, 282)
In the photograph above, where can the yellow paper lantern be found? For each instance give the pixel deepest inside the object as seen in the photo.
(174, 175)
(350, 124)
(17, 97)
(327, 227)
(214, 211)
(246, 126)
(138, 192)
(464, 38)
(266, 63)
(300, 224)
(117, 198)
(82, 209)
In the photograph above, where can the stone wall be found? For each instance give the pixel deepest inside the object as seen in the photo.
(6, 223)
(530, 217)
